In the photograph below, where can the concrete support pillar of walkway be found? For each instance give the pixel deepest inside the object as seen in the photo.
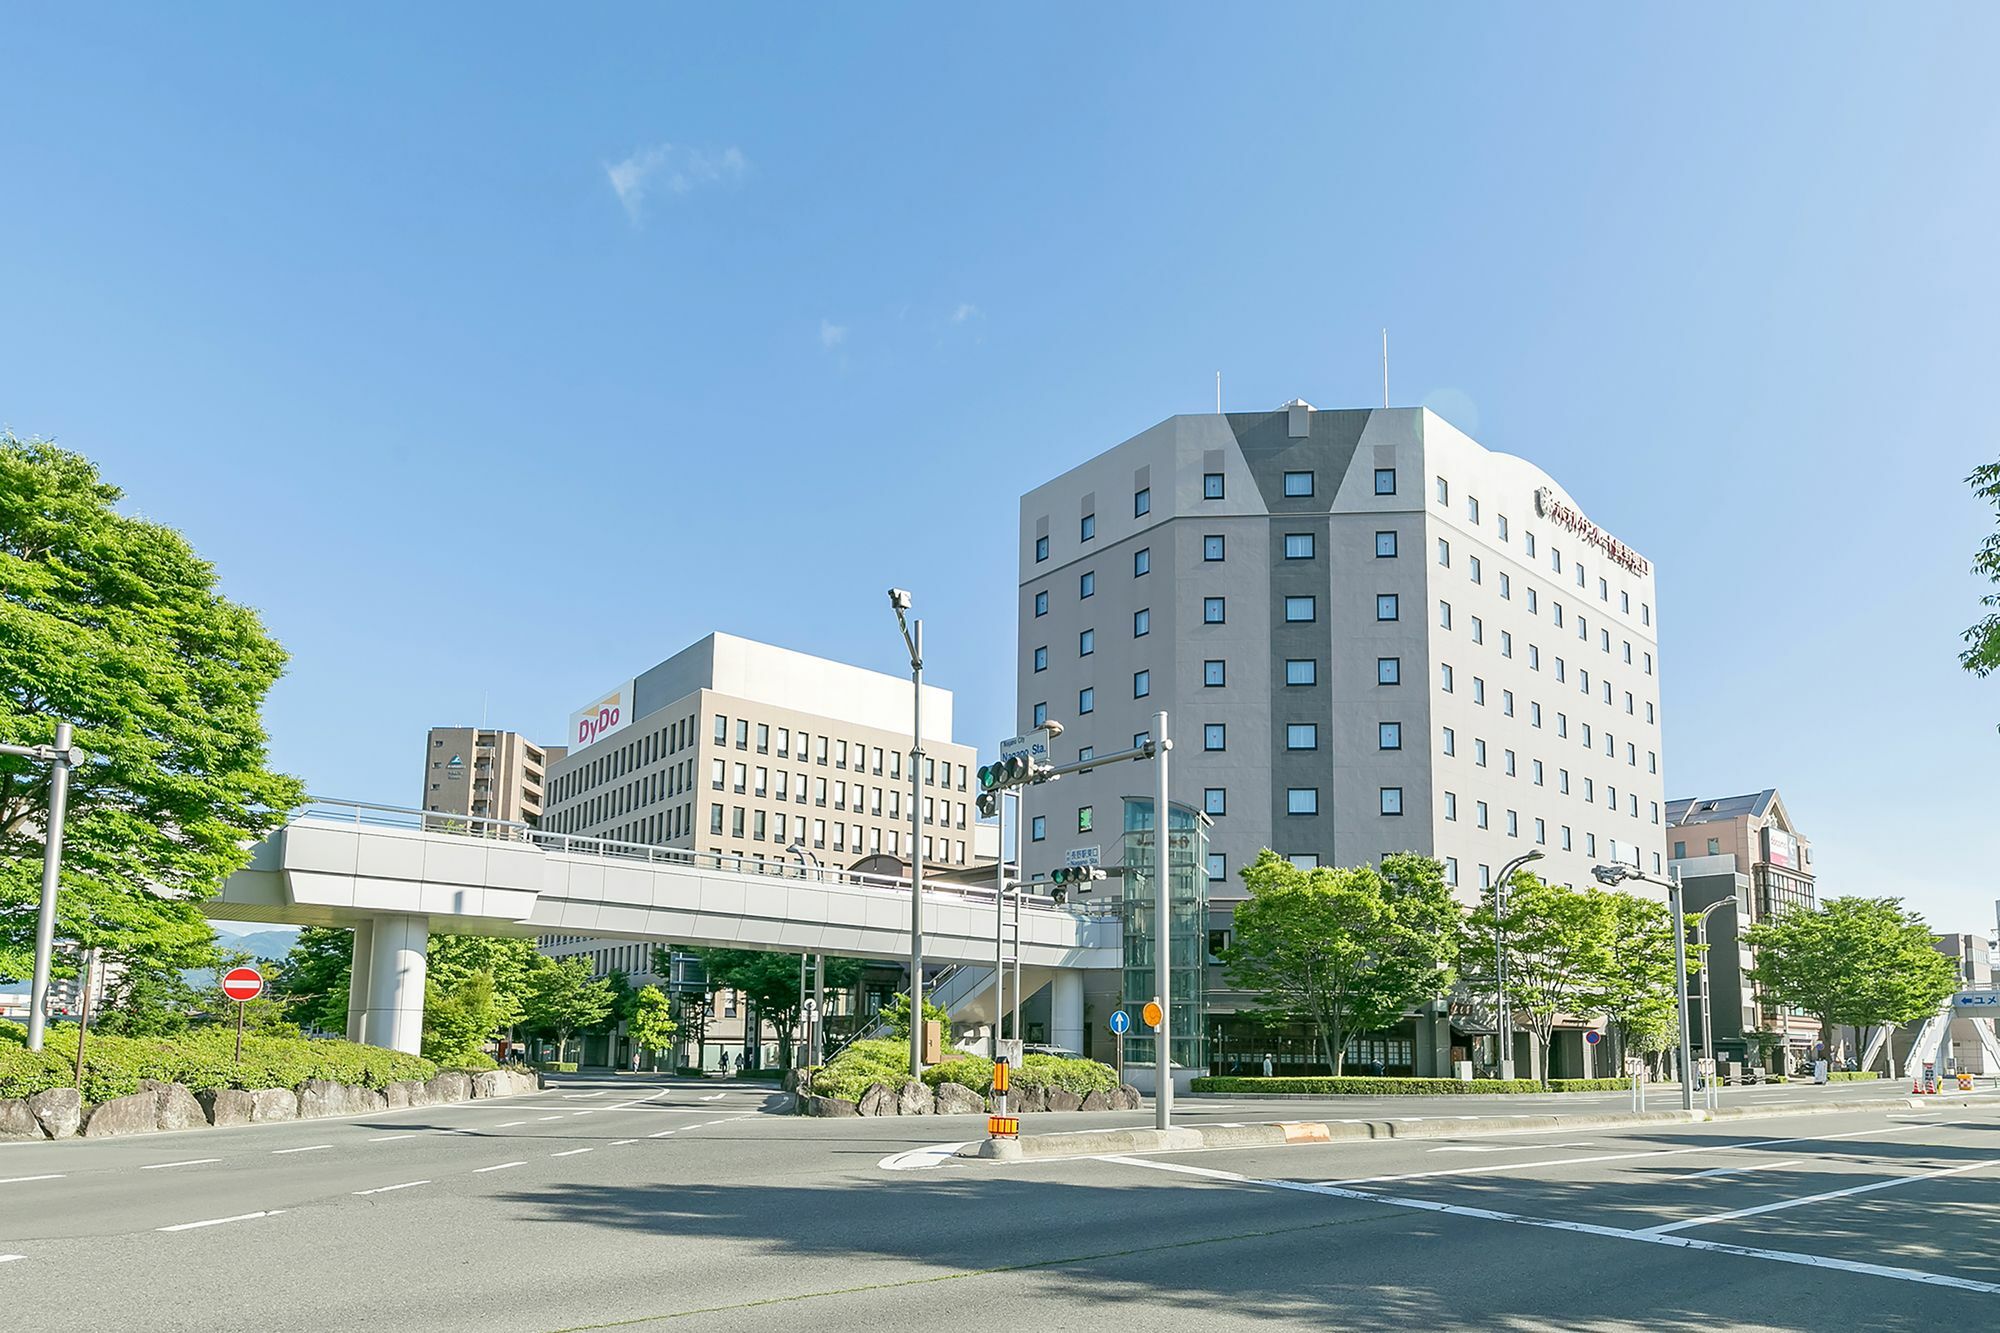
(357, 980)
(1066, 1009)
(396, 962)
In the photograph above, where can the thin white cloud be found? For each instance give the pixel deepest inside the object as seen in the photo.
(679, 170)
(966, 310)
(831, 335)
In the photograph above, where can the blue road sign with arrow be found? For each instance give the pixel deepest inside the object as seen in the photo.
(1121, 1022)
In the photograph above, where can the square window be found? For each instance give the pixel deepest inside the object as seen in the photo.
(1038, 828)
(1086, 643)
(1387, 606)
(1451, 805)
(1217, 867)
(1506, 643)
(1211, 486)
(1479, 814)
(1211, 548)
(1214, 736)
(1389, 735)
(1450, 741)
(1388, 671)
(1302, 800)
(1298, 546)
(1041, 659)
(1089, 526)
(1041, 714)
(1501, 520)
(1041, 603)
(1444, 677)
(1385, 481)
(1086, 700)
(1385, 546)
(1086, 585)
(1392, 800)
(1142, 562)
(1444, 615)
(1142, 622)
(1298, 484)
(1084, 818)
(1142, 502)
(1303, 671)
(1506, 588)
(1215, 800)
(1211, 610)
(1142, 684)
(1478, 630)
(1213, 672)
(1041, 549)
(1299, 610)
(1301, 736)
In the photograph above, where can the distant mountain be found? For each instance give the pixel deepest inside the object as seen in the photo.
(263, 944)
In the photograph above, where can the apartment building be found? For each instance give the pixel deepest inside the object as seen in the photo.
(492, 774)
(1748, 848)
(1370, 633)
(742, 749)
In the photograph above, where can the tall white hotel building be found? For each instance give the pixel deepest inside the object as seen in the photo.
(1370, 633)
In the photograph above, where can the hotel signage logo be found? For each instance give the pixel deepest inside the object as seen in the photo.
(1565, 516)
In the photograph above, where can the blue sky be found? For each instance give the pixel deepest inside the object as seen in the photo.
(810, 295)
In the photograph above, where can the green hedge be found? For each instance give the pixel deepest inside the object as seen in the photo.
(888, 1062)
(1854, 1076)
(1402, 1087)
(199, 1059)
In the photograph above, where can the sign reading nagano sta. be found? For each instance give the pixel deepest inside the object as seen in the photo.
(242, 983)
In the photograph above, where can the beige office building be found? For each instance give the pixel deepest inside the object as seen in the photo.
(490, 774)
(741, 749)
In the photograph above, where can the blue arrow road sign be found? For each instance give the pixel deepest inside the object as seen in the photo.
(1121, 1022)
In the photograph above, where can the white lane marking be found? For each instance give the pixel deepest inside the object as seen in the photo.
(1737, 1170)
(391, 1138)
(510, 1124)
(665, 1133)
(582, 1096)
(919, 1159)
(1512, 1147)
(317, 1147)
(10, 1258)
(482, 1170)
(384, 1189)
(19, 1180)
(1891, 1183)
(713, 1097)
(218, 1221)
(192, 1161)
(550, 1117)
(1623, 1156)
(1583, 1228)
(619, 1143)
(586, 1111)
(571, 1153)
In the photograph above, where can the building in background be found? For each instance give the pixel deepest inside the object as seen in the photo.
(488, 774)
(740, 749)
(1371, 635)
(1745, 847)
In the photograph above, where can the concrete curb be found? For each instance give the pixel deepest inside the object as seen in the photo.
(1287, 1133)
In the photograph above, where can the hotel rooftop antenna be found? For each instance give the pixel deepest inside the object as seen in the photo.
(1385, 367)
(1218, 393)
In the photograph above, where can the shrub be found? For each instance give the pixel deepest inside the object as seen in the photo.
(1081, 1077)
(1854, 1076)
(971, 1071)
(848, 1075)
(1375, 1087)
(201, 1058)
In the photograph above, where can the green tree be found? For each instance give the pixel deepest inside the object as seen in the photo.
(651, 1024)
(312, 979)
(115, 624)
(144, 999)
(507, 963)
(1558, 945)
(1344, 950)
(563, 999)
(1855, 960)
(1982, 641)
(771, 982)
(896, 1015)
(1638, 996)
(459, 1016)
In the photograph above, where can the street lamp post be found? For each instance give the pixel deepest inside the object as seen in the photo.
(1701, 947)
(913, 639)
(1503, 1037)
(816, 1024)
(61, 758)
(1612, 875)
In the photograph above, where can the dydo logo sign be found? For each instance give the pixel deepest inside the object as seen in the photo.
(608, 716)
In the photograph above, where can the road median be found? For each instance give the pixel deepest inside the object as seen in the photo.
(1293, 1133)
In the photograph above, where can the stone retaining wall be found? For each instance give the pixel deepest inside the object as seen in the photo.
(915, 1098)
(60, 1113)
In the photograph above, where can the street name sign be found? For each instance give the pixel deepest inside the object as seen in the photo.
(1034, 746)
(1079, 858)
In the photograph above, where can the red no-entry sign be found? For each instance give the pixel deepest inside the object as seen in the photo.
(242, 983)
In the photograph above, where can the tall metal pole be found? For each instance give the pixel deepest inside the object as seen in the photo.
(917, 852)
(819, 1006)
(1000, 927)
(1163, 1087)
(1681, 979)
(1707, 1025)
(1503, 1045)
(45, 920)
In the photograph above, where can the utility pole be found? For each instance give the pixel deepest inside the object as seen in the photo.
(913, 638)
(1163, 1091)
(61, 758)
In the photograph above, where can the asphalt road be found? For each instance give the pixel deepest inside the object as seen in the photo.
(619, 1201)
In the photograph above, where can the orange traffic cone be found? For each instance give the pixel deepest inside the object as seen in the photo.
(1916, 1083)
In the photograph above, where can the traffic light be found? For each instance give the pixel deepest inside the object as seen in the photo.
(988, 803)
(1014, 771)
(1077, 877)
